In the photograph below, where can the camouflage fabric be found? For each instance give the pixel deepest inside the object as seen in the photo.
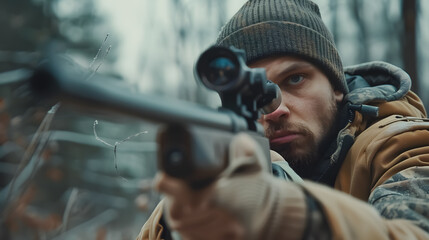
(405, 195)
(317, 224)
(376, 82)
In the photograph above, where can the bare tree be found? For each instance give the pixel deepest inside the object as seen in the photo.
(390, 34)
(357, 11)
(333, 5)
(409, 40)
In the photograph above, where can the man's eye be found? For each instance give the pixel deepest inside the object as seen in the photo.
(295, 79)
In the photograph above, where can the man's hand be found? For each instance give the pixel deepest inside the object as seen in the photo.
(193, 214)
(246, 202)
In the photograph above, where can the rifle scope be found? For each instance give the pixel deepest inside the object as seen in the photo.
(224, 70)
(221, 69)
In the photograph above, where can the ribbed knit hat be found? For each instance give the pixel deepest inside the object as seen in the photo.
(266, 28)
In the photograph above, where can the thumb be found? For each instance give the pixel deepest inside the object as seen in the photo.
(245, 156)
(276, 157)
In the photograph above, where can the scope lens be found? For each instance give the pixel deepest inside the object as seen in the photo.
(221, 70)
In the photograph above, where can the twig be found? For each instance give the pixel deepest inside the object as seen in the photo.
(36, 146)
(104, 56)
(115, 146)
(101, 62)
(99, 50)
(98, 138)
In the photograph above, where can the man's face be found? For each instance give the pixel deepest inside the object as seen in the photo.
(298, 127)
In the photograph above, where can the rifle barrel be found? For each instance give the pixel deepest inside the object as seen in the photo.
(58, 82)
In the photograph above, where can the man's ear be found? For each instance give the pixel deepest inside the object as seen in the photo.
(338, 95)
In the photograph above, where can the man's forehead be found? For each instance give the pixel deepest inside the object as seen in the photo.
(281, 63)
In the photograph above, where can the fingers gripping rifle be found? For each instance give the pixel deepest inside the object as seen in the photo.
(193, 142)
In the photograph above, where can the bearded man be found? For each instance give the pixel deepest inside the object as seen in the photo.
(357, 136)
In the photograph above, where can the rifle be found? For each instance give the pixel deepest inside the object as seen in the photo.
(193, 141)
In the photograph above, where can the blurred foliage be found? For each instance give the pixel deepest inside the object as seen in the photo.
(56, 179)
(29, 25)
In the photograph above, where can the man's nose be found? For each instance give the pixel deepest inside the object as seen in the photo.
(281, 112)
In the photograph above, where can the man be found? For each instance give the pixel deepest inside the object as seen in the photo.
(367, 174)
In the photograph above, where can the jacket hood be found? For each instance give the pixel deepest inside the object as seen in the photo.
(376, 90)
(379, 84)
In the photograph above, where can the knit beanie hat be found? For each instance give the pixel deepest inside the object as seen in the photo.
(265, 28)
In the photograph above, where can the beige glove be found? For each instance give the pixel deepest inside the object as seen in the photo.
(246, 202)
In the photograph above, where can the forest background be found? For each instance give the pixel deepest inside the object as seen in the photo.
(149, 47)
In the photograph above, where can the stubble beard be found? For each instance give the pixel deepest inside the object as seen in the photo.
(303, 153)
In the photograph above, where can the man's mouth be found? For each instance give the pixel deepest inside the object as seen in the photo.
(283, 137)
